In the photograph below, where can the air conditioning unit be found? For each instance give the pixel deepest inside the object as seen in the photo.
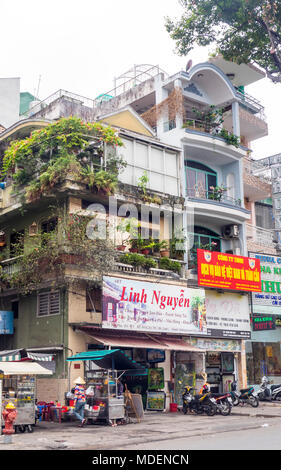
(230, 231)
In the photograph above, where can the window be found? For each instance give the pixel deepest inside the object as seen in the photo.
(15, 308)
(48, 303)
(16, 243)
(199, 179)
(49, 225)
(206, 239)
(93, 300)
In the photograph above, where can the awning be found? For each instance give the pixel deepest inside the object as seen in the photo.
(40, 357)
(108, 359)
(120, 340)
(23, 355)
(12, 355)
(23, 368)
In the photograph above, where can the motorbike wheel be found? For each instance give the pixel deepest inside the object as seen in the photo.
(225, 409)
(210, 410)
(254, 401)
(278, 397)
(184, 409)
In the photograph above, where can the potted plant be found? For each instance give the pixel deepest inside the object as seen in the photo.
(127, 226)
(164, 249)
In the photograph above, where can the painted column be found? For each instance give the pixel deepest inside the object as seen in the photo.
(179, 115)
(235, 118)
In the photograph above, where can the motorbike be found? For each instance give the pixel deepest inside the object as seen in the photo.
(245, 395)
(198, 404)
(266, 393)
(224, 403)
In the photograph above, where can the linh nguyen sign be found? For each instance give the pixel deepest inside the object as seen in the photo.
(268, 301)
(228, 271)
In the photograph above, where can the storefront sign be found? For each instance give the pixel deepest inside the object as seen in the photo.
(269, 299)
(155, 355)
(216, 344)
(6, 322)
(227, 271)
(228, 315)
(152, 307)
(263, 322)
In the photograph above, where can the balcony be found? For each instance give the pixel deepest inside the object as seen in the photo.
(213, 196)
(256, 188)
(260, 239)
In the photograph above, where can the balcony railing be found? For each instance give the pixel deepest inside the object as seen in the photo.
(252, 104)
(259, 235)
(212, 195)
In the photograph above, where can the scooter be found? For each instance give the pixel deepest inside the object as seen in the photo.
(266, 393)
(245, 395)
(198, 404)
(224, 403)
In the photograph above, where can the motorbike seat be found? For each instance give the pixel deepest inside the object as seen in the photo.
(245, 390)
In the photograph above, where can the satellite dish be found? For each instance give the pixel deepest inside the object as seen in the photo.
(188, 65)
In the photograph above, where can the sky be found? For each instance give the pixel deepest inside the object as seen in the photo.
(80, 46)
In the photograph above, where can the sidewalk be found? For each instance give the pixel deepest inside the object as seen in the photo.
(154, 427)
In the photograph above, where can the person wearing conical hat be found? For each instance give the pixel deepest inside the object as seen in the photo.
(80, 400)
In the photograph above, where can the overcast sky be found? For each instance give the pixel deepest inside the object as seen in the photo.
(80, 46)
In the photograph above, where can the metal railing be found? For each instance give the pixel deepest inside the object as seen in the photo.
(87, 102)
(252, 103)
(213, 195)
(260, 235)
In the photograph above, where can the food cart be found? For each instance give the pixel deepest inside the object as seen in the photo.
(19, 387)
(103, 369)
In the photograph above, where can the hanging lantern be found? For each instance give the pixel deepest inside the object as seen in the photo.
(2, 238)
(33, 229)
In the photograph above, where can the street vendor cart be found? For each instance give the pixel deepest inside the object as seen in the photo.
(18, 385)
(103, 370)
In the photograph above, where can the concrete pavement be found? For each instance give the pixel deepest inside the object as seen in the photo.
(155, 426)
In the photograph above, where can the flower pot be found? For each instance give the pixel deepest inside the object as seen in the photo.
(121, 247)
(165, 253)
(145, 252)
(133, 250)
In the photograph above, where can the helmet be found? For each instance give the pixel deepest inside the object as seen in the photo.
(10, 406)
(264, 379)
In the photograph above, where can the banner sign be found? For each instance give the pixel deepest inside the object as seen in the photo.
(225, 271)
(228, 315)
(263, 322)
(6, 322)
(269, 300)
(152, 307)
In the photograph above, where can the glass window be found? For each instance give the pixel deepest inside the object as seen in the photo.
(199, 179)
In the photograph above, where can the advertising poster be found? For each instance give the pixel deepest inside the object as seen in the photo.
(152, 307)
(269, 299)
(6, 322)
(155, 401)
(228, 315)
(225, 271)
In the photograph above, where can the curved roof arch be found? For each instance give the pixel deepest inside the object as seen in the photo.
(206, 76)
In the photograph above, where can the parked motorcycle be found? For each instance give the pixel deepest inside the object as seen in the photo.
(198, 404)
(224, 403)
(266, 393)
(245, 395)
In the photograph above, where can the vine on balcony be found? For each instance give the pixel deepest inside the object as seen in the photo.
(50, 253)
(44, 159)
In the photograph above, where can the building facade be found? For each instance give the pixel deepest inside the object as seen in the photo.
(185, 142)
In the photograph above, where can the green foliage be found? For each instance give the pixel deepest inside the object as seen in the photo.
(48, 254)
(230, 139)
(44, 159)
(167, 263)
(242, 31)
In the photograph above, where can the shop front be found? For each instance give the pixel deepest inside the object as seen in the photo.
(263, 352)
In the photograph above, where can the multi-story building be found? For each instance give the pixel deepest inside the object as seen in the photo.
(185, 138)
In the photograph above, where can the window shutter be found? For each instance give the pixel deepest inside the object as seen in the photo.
(48, 303)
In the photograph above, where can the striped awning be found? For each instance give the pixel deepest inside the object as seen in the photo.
(7, 356)
(40, 357)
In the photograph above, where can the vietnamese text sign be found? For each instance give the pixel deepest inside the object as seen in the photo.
(6, 322)
(269, 299)
(228, 315)
(263, 322)
(226, 271)
(152, 307)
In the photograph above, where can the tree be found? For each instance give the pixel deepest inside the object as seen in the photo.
(243, 31)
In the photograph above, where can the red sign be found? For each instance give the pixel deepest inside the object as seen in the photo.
(226, 271)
